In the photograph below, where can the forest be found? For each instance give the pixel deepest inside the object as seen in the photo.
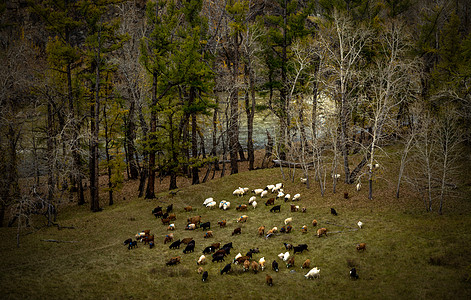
(115, 90)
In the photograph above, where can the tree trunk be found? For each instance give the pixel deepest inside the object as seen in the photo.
(130, 135)
(194, 140)
(150, 190)
(234, 120)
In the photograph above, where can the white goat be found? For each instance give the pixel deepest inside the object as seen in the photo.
(288, 220)
(286, 256)
(313, 273)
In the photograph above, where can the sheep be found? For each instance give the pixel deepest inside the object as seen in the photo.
(300, 248)
(187, 240)
(189, 248)
(175, 244)
(208, 200)
(246, 190)
(294, 208)
(211, 204)
(208, 250)
(246, 266)
(132, 244)
(126, 242)
(252, 199)
(358, 186)
(242, 219)
(171, 227)
(276, 208)
(261, 230)
(224, 205)
(270, 201)
(218, 258)
(289, 228)
(241, 207)
(353, 273)
(286, 256)
(361, 246)
(168, 238)
(190, 227)
(288, 246)
(173, 261)
(303, 209)
(263, 194)
(208, 234)
(290, 262)
(254, 204)
(313, 273)
(314, 222)
(255, 266)
(336, 176)
(321, 231)
(280, 195)
(262, 262)
(306, 264)
(188, 208)
(279, 185)
(333, 211)
(206, 225)
(238, 192)
(304, 229)
(360, 224)
(288, 220)
(269, 280)
(274, 266)
(205, 276)
(222, 223)
(296, 197)
(216, 245)
(287, 197)
(257, 191)
(236, 231)
(226, 269)
(201, 260)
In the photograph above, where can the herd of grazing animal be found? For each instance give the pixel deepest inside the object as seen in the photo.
(219, 254)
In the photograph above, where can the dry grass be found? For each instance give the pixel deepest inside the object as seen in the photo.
(410, 254)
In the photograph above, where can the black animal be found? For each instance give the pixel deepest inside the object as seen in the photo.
(300, 248)
(132, 244)
(283, 229)
(175, 244)
(126, 242)
(189, 248)
(151, 245)
(274, 266)
(353, 273)
(164, 216)
(208, 250)
(275, 208)
(332, 211)
(218, 258)
(288, 246)
(206, 225)
(205, 276)
(169, 208)
(192, 242)
(237, 231)
(228, 245)
(255, 250)
(249, 254)
(173, 261)
(226, 269)
(157, 212)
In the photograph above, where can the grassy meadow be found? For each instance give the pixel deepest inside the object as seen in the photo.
(410, 254)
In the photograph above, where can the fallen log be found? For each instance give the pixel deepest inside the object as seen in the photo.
(59, 241)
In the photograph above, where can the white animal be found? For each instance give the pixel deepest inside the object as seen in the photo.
(336, 176)
(280, 194)
(171, 227)
(313, 273)
(360, 224)
(257, 191)
(303, 180)
(279, 185)
(254, 204)
(221, 204)
(245, 189)
(274, 229)
(287, 197)
(238, 192)
(226, 205)
(296, 197)
(236, 257)
(261, 262)
(252, 199)
(281, 255)
(201, 260)
(207, 201)
(358, 186)
(140, 235)
(264, 193)
(270, 187)
(288, 220)
(211, 204)
(286, 256)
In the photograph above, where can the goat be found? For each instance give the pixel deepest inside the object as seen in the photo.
(246, 266)
(228, 245)
(333, 211)
(222, 223)
(300, 248)
(261, 230)
(288, 220)
(237, 231)
(226, 269)
(270, 201)
(190, 226)
(290, 262)
(168, 238)
(172, 217)
(262, 262)
(194, 220)
(206, 225)
(283, 229)
(241, 259)
(361, 246)
(255, 266)
(276, 208)
(241, 207)
(274, 266)
(126, 242)
(208, 234)
(173, 261)
(169, 208)
(200, 270)
(132, 244)
(205, 276)
(151, 245)
(166, 221)
(304, 229)
(208, 250)
(188, 208)
(189, 248)
(201, 260)
(306, 264)
(313, 273)
(269, 280)
(303, 209)
(288, 246)
(157, 211)
(148, 239)
(353, 273)
(175, 244)
(289, 228)
(242, 219)
(314, 222)
(218, 258)
(171, 227)
(294, 208)
(187, 240)
(321, 231)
